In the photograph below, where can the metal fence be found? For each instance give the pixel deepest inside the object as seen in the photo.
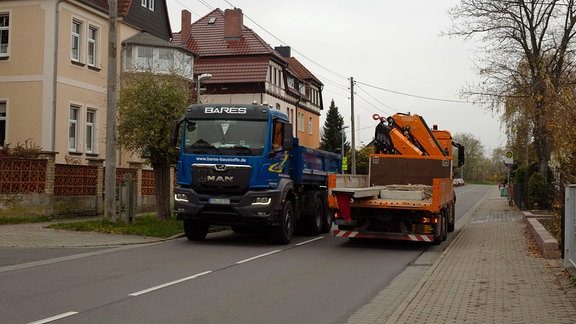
(570, 227)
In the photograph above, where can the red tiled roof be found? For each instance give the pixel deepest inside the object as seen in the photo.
(234, 69)
(207, 39)
(228, 60)
(302, 71)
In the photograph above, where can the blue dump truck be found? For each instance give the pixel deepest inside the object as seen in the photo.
(240, 166)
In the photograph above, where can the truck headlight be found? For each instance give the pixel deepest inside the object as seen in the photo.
(181, 197)
(262, 201)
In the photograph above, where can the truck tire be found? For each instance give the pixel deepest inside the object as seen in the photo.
(452, 218)
(328, 219)
(282, 234)
(314, 222)
(444, 224)
(440, 228)
(195, 230)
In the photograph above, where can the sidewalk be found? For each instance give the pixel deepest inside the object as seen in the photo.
(36, 235)
(486, 274)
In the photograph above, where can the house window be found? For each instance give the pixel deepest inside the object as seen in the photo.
(148, 4)
(75, 46)
(300, 122)
(291, 82)
(4, 30)
(73, 128)
(2, 123)
(144, 58)
(90, 119)
(310, 126)
(92, 45)
(165, 60)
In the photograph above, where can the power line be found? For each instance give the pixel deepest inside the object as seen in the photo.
(415, 96)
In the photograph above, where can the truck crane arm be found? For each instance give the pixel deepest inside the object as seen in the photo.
(405, 134)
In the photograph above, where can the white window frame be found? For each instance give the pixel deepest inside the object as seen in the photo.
(73, 127)
(93, 47)
(76, 40)
(310, 126)
(300, 122)
(148, 4)
(4, 119)
(90, 130)
(5, 30)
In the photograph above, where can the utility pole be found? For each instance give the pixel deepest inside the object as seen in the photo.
(353, 138)
(110, 163)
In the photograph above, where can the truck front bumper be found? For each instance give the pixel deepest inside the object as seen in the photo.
(253, 207)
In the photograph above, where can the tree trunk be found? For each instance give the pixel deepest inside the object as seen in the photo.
(162, 179)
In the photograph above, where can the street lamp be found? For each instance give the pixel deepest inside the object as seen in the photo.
(200, 78)
(342, 141)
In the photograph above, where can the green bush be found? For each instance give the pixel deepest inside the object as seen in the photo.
(537, 191)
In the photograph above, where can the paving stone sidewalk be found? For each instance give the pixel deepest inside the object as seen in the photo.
(37, 235)
(487, 274)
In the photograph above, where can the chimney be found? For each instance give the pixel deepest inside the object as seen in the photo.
(285, 51)
(185, 27)
(233, 22)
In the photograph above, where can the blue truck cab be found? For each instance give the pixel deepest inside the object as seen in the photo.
(240, 166)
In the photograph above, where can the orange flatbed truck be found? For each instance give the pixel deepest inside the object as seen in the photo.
(408, 193)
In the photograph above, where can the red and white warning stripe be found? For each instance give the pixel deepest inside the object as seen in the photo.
(388, 236)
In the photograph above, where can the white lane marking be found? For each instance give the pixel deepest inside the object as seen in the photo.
(258, 256)
(54, 318)
(310, 241)
(141, 292)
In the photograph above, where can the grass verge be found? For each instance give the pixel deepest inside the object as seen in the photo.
(145, 225)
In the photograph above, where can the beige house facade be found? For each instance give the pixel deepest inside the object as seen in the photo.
(53, 72)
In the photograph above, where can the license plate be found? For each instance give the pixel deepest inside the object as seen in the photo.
(219, 201)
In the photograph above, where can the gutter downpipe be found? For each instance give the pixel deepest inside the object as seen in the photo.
(55, 74)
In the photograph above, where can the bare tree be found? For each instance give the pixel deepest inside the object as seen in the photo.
(528, 54)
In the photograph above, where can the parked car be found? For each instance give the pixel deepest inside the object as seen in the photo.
(458, 182)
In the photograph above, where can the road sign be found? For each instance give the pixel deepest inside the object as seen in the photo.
(344, 163)
(508, 159)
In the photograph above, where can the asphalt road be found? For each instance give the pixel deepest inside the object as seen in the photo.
(229, 278)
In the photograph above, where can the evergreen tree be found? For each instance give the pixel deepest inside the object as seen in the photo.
(332, 131)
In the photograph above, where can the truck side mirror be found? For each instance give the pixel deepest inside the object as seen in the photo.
(174, 132)
(461, 154)
(287, 143)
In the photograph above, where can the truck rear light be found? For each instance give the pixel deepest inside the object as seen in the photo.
(336, 215)
(429, 220)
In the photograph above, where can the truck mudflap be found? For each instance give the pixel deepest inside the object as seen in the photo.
(384, 236)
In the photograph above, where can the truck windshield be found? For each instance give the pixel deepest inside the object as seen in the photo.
(225, 137)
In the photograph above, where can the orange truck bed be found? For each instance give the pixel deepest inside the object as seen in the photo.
(404, 198)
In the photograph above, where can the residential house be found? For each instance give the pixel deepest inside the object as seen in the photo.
(54, 66)
(245, 69)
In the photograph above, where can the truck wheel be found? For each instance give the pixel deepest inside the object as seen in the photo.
(313, 223)
(282, 234)
(328, 219)
(452, 218)
(444, 225)
(195, 230)
(439, 228)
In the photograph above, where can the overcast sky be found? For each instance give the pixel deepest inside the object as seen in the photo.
(392, 49)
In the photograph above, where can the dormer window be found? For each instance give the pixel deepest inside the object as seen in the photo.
(148, 4)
